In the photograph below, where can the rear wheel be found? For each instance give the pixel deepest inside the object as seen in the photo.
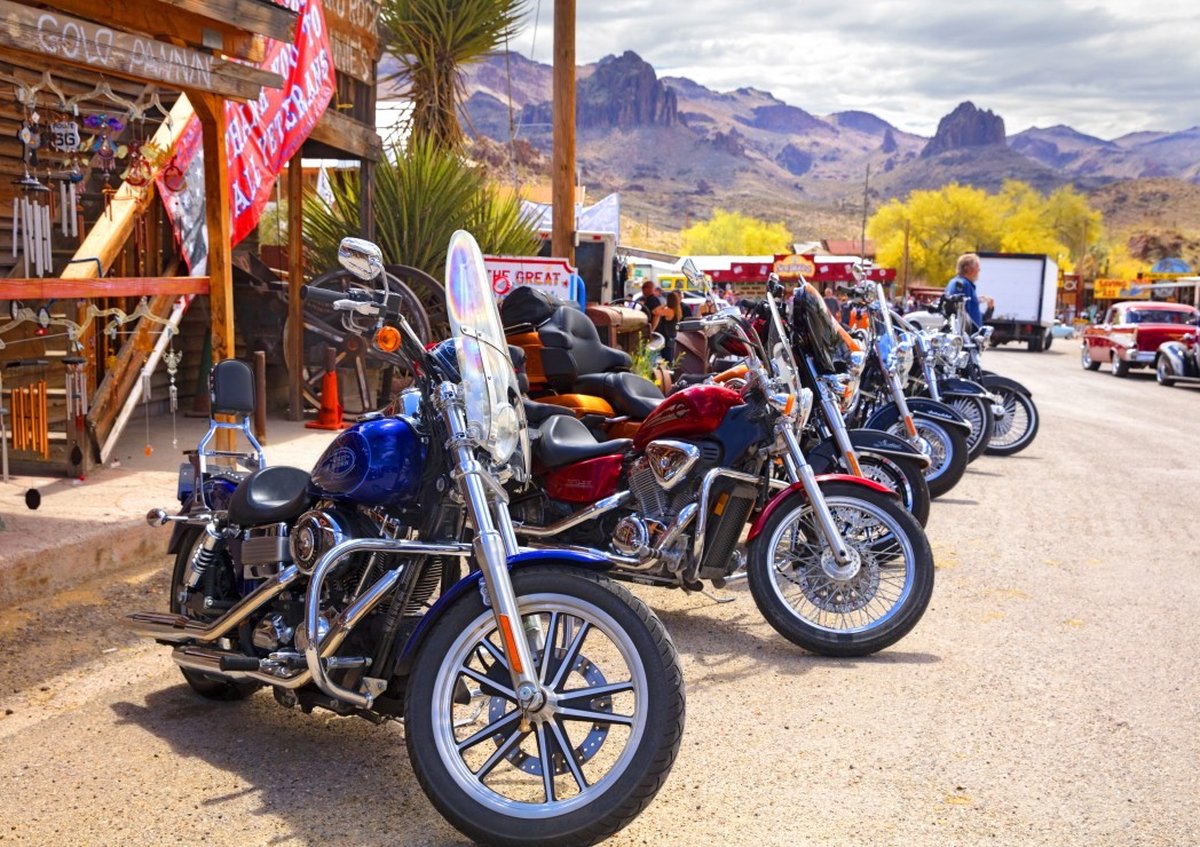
(1085, 358)
(1120, 368)
(214, 688)
(586, 763)
(852, 609)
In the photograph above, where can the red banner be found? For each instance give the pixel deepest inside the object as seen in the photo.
(261, 136)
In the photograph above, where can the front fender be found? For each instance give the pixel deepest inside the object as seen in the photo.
(525, 559)
(1176, 353)
(991, 380)
(798, 488)
(920, 407)
(954, 386)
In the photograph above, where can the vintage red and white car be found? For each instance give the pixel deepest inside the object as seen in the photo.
(1131, 333)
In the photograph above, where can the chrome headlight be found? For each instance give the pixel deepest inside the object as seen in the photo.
(901, 358)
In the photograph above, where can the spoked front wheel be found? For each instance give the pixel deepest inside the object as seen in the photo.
(1016, 428)
(978, 412)
(905, 477)
(841, 609)
(591, 758)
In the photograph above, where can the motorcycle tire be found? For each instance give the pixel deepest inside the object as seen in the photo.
(461, 720)
(947, 452)
(207, 686)
(821, 611)
(1019, 426)
(906, 478)
(978, 413)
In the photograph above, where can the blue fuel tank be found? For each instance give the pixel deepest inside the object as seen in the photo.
(376, 463)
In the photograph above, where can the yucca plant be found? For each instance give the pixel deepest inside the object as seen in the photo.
(432, 40)
(422, 195)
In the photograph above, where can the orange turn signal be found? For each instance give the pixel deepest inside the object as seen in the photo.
(387, 339)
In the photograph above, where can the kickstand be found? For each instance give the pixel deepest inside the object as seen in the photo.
(715, 598)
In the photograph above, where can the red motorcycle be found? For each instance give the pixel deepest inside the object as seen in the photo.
(834, 562)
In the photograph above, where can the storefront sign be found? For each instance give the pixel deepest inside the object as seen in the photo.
(261, 135)
(554, 276)
(1120, 289)
(792, 266)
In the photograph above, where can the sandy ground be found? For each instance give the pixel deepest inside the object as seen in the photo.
(1048, 697)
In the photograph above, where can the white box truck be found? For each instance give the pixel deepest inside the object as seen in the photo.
(1024, 287)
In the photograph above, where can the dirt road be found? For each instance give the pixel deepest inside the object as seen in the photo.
(1048, 697)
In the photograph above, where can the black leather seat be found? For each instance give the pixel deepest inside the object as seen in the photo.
(271, 495)
(571, 346)
(536, 413)
(565, 440)
(628, 393)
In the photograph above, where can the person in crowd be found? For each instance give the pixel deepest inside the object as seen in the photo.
(831, 302)
(963, 282)
(652, 304)
(667, 324)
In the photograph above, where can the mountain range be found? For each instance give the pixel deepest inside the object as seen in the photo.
(675, 148)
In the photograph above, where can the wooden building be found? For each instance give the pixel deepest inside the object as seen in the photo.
(83, 233)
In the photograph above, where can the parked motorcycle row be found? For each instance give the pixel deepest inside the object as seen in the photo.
(454, 561)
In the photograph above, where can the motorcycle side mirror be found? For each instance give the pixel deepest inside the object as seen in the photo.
(656, 342)
(361, 258)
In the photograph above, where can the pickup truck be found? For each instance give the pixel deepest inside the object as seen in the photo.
(1131, 332)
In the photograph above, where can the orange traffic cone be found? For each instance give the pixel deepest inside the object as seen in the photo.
(329, 416)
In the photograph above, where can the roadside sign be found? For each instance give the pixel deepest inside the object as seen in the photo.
(554, 276)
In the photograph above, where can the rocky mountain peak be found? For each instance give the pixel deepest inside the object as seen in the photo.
(624, 91)
(966, 126)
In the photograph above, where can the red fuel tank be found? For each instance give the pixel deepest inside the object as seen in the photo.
(694, 411)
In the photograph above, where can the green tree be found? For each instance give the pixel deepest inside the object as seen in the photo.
(735, 233)
(423, 193)
(433, 40)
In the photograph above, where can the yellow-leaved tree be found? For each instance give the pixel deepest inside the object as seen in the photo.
(737, 234)
(957, 219)
(941, 225)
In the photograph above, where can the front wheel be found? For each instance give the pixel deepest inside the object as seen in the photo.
(591, 758)
(1015, 430)
(851, 609)
(1163, 372)
(978, 412)
(905, 477)
(946, 447)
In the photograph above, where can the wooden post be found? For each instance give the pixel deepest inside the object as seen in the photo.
(260, 396)
(562, 237)
(295, 341)
(211, 111)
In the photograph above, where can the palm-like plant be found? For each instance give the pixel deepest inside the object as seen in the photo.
(423, 193)
(433, 39)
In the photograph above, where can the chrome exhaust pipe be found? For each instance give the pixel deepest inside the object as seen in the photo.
(177, 629)
(583, 516)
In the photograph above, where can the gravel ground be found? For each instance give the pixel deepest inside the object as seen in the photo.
(1048, 697)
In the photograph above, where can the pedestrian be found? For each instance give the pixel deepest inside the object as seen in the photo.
(667, 325)
(653, 306)
(831, 302)
(963, 283)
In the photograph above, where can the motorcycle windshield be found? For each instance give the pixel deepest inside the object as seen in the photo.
(495, 415)
(818, 327)
(779, 348)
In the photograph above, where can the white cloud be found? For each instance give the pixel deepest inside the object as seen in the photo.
(1104, 67)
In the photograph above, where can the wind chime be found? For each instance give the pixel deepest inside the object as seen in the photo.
(66, 142)
(31, 426)
(31, 210)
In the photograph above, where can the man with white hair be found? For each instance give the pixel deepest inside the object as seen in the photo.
(964, 283)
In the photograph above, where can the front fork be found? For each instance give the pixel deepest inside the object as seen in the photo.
(495, 541)
(801, 471)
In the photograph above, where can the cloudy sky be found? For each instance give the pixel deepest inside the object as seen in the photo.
(1104, 67)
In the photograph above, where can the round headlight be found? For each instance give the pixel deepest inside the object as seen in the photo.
(506, 431)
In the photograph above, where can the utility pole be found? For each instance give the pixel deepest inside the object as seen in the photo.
(562, 236)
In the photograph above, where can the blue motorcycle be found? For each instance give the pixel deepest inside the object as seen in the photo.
(542, 703)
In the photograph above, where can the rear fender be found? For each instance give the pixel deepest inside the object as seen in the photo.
(470, 582)
(798, 488)
(1175, 353)
(990, 380)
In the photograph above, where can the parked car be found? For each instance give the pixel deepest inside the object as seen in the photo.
(1062, 330)
(1131, 333)
(1179, 361)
